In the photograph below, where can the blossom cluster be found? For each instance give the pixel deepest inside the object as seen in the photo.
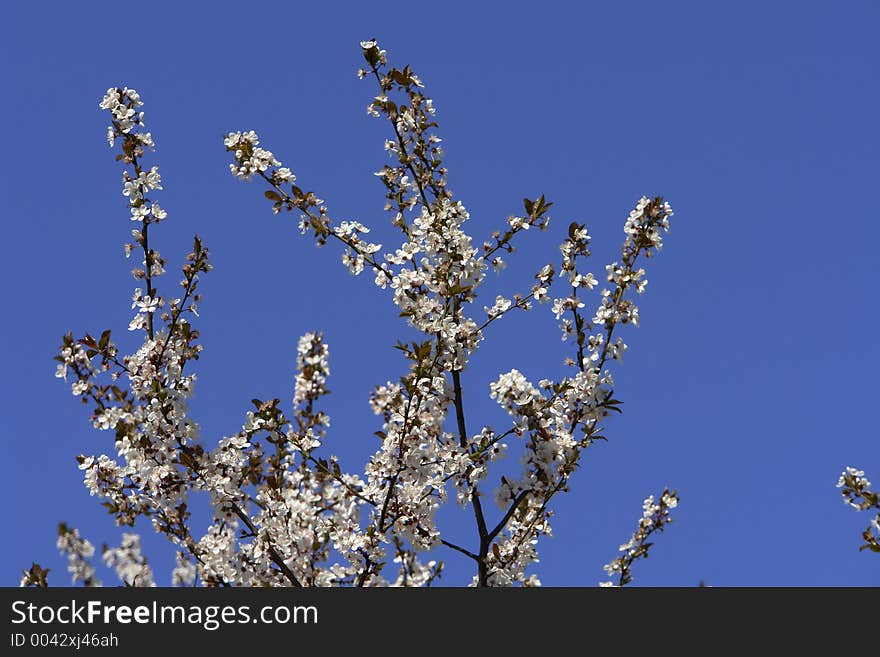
(130, 565)
(79, 551)
(251, 160)
(856, 492)
(123, 105)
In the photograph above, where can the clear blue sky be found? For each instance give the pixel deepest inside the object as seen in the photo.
(751, 383)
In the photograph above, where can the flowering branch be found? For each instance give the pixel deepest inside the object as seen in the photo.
(856, 492)
(655, 517)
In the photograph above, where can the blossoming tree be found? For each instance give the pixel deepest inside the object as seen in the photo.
(284, 512)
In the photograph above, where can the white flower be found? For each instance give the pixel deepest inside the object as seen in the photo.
(285, 175)
(147, 304)
(583, 280)
(501, 306)
(517, 223)
(138, 322)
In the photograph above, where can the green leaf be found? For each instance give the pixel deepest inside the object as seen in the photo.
(272, 196)
(424, 350)
(186, 460)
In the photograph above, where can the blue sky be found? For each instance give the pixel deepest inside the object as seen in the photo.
(751, 383)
